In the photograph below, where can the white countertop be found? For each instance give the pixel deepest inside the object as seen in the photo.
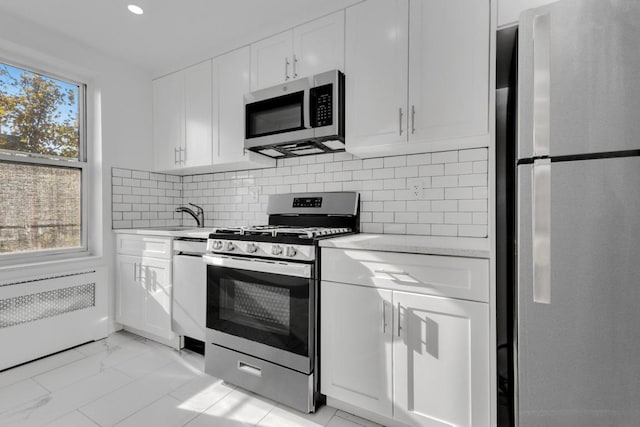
(192, 232)
(405, 243)
(431, 245)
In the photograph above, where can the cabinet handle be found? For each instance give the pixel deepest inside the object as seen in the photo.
(286, 68)
(175, 156)
(384, 318)
(413, 119)
(399, 310)
(183, 159)
(135, 267)
(400, 119)
(295, 68)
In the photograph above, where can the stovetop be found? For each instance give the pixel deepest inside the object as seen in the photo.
(276, 231)
(297, 221)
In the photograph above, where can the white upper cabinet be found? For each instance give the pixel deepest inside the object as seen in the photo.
(448, 69)
(182, 119)
(168, 121)
(318, 46)
(376, 77)
(272, 61)
(197, 115)
(231, 82)
(303, 51)
(417, 76)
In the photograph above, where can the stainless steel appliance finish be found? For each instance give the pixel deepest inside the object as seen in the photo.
(297, 118)
(287, 386)
(262, 284)
(578, 228)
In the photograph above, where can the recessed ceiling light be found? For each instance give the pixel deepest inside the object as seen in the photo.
(133, 8)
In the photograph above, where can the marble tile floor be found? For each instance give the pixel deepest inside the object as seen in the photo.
(129, 381)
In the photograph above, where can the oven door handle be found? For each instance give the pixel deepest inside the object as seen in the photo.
(259, 265)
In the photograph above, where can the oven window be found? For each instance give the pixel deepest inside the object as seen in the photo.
(257, 306)
(275, 115)
(271, 309)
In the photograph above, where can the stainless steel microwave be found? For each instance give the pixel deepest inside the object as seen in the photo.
(297, 118)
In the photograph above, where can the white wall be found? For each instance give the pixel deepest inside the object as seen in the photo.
(119, 99)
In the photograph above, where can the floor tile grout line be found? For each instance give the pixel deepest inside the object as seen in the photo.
(43, 372)
(69, 413)
(100, 362)
(265, 415)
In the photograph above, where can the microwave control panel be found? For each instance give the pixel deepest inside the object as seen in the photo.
(321, 98)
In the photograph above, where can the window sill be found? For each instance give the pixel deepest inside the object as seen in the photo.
(12, 270)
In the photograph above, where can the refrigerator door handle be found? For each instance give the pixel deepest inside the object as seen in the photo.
(541, 227)
(541, 84)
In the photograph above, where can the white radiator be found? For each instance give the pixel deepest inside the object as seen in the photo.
(44, 315)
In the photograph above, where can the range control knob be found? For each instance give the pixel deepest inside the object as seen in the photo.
(229, 246)
(291, 251)
(252, 248)
(276, 250)
(217, 244)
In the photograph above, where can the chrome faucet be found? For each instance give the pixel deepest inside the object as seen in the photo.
(198, 215)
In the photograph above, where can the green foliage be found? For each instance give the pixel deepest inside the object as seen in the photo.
(30, 108)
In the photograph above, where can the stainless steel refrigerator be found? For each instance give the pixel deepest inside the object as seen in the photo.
(577, 311)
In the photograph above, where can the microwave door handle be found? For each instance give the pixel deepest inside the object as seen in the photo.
(306, 106)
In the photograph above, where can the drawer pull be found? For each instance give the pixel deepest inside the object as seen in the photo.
(389, 272)
(401, 276)
(249, 369)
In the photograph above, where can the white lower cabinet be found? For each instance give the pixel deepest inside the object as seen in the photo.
(356, 346)
(440, 361)
(143, 288)
(412, 358)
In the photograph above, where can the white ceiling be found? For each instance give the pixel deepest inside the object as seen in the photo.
(171, 33)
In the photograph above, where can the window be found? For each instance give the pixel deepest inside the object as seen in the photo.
(43, 165)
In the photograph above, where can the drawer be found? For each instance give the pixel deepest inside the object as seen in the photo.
(455, 277)
(148, 246)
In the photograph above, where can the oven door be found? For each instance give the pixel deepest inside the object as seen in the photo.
(262, 308)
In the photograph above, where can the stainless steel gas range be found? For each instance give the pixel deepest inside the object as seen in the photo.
(262, 291)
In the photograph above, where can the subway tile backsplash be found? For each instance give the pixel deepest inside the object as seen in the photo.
(439, 194)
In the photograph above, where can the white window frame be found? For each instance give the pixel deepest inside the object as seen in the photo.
(81, 163)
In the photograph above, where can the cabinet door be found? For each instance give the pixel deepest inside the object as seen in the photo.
(441, 361)
(319, 46)
(376, 62)
(156, 276)
(448, 69)
(168, 121)
(130, 291)
(231, 80)
(197, 150)
(355, 335)
(271, 61)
